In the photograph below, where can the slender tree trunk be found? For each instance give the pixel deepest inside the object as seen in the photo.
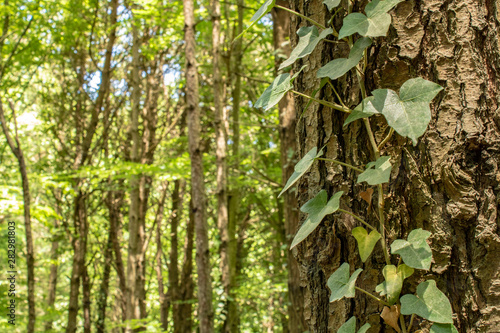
(104, 289)
(136, 233)
(288, 150)
(186, 294)
(15, 147)
(205, 311)
(86, 295)
(447, 183)
(231, 322)
(164, 297)
(173, 268)
(54, 265)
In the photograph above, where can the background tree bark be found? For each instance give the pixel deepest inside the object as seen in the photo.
(447, 184)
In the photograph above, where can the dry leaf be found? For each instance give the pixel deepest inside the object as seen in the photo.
(391, 316)
(367, 196)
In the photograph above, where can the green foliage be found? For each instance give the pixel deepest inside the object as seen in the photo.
(366, 242)
(330, 4)
(430, 304)
(301, 167)
(317, 208)
(409, 113)
(350, 327)
(275, 92)
(308, 39)
(415, 251)
(338, 67)
(394, 277)
(374, 24)
(443, 328)
(377, 172)
(341, 284)
(263, 10)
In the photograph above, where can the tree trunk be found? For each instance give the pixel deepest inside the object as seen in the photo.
(15, 147)
(288, 155)
(104, 289)
(186, 289)
(164, 297)
(54, 265)
(205, 311)
(447, 184)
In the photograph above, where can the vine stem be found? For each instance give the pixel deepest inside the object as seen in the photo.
(402, 320)
(373, 296)
(391, 132)
(357, 218)
(336, 93)
(411, 322)
(302, 16)
(330, 105)
(340, 163)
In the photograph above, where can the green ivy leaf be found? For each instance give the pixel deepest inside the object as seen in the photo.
(393, 283)
(409, 113)
(377, 172)
(374, 24)
(317, 208)
(341, 284)
(415, 251)
(430, 304)
(301, 167)
(263, 10)
(338, 67)
(331, 4)
(350, 327)
(443, 328)
(366, 242)
(275, 92)
(308, 39)
(361, 111)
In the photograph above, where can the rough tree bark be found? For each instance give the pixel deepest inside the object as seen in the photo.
(288, 156)
(447, 184)
(205, 311)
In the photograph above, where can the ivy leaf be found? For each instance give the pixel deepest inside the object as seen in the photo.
(430, 304)
(338, 67)
(366, 242)
(275, 92)
(393, 283)
(391, 316)
(301, 167)
(341, 284)
(443, 328)
(415, 251)
(317, 208)
(377, 172)
(361, 111)
(350, 327)
(409, 113)
(331, 4)
(263, 10)
(308, 39)
(374, 24)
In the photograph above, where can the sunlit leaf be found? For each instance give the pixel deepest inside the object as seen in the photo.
(330, 4)
(263, 10)
(317, 208)
(366, 242)
(393, 283)
(301, 167)
(374, 24)
(338, 67)
(308, 39)
(377, 172)
(275, 92)
(443, 328)
(430, 304)
(350, 327)
(409, 113)
(341, 284)
(415, 251)
(361, 111)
